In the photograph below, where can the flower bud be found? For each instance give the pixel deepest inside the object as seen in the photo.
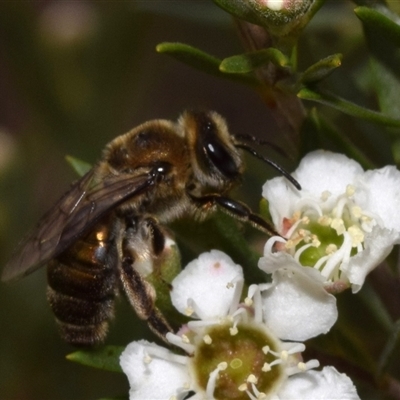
(280, 17)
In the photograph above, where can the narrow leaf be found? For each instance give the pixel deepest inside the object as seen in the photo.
(321, 69)
(248, 62)
(106, 358)
(80, 167)
(200, 60)
(382, 25)
(348, 107)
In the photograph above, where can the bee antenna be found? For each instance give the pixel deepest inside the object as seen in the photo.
(253, 139)
(270, 162)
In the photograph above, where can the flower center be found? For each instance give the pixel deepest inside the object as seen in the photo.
(238, 364)
(325, 238)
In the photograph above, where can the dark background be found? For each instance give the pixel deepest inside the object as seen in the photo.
(73, 75)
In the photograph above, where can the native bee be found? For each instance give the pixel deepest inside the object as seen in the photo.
(93, 237)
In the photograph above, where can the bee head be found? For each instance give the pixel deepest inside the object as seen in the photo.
(216, 161)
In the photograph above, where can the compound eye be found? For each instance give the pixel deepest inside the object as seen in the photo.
(221, 158)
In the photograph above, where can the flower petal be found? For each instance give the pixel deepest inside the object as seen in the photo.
(296, 306)
(154, 377)
(383, 195)
(378, 245)
(206, 282)
(322, 170)
(282, 198)
(327, 384)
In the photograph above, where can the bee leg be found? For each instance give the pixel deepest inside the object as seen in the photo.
(238, 210)
(141, 295)
(157, 236)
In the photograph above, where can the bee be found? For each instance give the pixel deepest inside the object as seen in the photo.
(93, 239)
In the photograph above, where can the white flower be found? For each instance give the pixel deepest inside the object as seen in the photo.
(343, 222)
(233, 351)
(327, 384)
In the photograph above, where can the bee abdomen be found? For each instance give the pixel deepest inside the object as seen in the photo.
(81, 291)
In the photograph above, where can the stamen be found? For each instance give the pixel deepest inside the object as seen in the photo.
(356, 212)
(259, 395)
(254, 292)
(265, 349)
(252, 379)
(242, 387)
(185, 339)
(338, 225)
(337, 258)
(321, 261)
(356, 235)
(289, 233)
(330, 249)
(189, 311)
(302, 367)
(248, 301)
(238, 281)
(325, 195)
(315, 241)
(350, 190)
(325, 220)
(207, 339)
(212, 380)
(309, 205)
(177, 341)
(284, 355)
(233, 331)
(192, 308)
(147, 359)
(266, 367)
(300, 251)
(293, 347)
(342, 202)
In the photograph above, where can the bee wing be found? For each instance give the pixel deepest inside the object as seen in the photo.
(79, 209)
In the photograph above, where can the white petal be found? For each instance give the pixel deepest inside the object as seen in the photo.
(319, 171)
(383, 195)
(322, 170)
(157, 379)
(378, 245)
(297, 307)
(273, 261)
(207, 282)
(327, 384)
(282, 198)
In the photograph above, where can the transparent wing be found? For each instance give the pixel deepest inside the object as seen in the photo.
(78, 210)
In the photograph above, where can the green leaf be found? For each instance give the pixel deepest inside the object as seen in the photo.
(348, 107)
(321, 69)
(201, 60)
(243, 63)
(383, 38)
(106, 358)
(80, 167)
(382, 25)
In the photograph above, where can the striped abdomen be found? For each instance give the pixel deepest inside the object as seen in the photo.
(82, 287)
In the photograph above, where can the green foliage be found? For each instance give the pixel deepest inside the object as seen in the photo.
(106, 358)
